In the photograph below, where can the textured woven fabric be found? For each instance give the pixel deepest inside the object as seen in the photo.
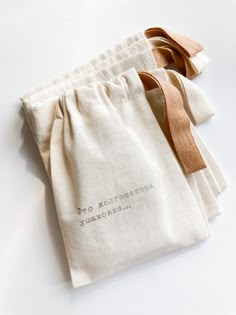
(177, 124)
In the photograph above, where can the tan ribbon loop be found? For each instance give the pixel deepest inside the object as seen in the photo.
(177, 124)
(165, 56)
(188, 46)
(162, 59)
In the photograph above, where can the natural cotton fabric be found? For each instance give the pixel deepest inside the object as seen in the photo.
(112, 170)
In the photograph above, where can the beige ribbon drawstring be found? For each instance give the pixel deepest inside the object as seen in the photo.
(174, 48)
(177, 124)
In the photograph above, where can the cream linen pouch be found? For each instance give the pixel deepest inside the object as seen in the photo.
(121, 195)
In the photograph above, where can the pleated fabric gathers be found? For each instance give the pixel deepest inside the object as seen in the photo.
(132, 179)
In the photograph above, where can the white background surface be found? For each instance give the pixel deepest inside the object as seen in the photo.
(42, 39)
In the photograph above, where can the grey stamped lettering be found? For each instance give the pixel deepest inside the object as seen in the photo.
(102, 205)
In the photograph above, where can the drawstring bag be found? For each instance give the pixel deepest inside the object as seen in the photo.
(120, 192)
(40, 105)
(116, 145)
